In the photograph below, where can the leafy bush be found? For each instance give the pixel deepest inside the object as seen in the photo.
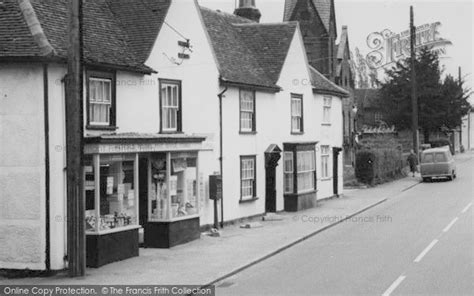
(378, 165)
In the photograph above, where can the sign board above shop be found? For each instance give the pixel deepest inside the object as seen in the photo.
(388, 47)
(140, 148)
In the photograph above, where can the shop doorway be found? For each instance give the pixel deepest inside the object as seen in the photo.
(272, 156)
(335, 170)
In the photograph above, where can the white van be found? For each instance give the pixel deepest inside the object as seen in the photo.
(437, 163)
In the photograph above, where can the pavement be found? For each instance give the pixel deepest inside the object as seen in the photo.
(212, 259)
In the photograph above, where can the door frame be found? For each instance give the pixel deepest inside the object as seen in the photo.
(272, 156)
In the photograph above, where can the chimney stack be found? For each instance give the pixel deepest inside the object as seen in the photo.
(248, 10)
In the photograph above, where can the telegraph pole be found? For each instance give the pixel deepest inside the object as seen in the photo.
(414, 99)
(74, 145)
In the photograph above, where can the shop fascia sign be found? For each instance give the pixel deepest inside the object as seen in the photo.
(137, 148)
(388, 47)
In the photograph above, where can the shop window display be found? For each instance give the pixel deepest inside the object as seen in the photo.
(110, 189)
(173, 190)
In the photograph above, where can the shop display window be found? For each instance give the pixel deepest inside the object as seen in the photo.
(111, 192)
(173, 186)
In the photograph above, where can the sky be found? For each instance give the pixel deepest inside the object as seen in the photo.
(365, 17)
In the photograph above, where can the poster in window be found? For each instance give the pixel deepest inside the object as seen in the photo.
(110, 185)
(120, 189)
(179, 165)
(131, 194)
(173, 185)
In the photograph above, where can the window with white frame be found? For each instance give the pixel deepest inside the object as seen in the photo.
(247, 177)
(247, 111)
(299, 168)
(296, 113)
(288, 171)
(100, 101)
(325, 153)
(306, 169)
(327, 110)
(170, 102)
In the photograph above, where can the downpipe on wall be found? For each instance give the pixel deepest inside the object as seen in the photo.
(221, 155)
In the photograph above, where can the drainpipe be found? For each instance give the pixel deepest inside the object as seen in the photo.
(221, 154)
(47, 169)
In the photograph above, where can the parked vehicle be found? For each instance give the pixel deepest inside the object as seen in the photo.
(437, 163)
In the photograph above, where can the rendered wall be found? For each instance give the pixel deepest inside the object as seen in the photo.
(22, 168)
(57, 164)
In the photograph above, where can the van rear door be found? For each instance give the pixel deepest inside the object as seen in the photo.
(427, 164)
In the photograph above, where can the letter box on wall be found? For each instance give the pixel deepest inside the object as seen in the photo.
(215, 187)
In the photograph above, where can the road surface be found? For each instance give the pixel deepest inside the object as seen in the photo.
(419, 242)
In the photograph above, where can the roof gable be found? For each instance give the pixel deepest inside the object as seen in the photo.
(248, 53)
(270, 44)
(324, 8)
(343, 45)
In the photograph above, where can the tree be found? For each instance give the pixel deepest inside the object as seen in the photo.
(442, 104)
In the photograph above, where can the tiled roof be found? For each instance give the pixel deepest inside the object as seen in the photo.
(248, 53)
(323, 85)
(15, 37)
(288, 9)
(142, 20)
(109, 39)
(323, 7)
(367, 97)
(270, 43)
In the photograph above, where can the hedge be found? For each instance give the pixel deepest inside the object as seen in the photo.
(377, 165)
(364, 169)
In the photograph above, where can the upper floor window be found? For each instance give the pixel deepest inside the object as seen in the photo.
(100, 99)
(296, 113)
(327, 110)
(170, 105)
(247, 111)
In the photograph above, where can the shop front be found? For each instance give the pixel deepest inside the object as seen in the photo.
(134, 181)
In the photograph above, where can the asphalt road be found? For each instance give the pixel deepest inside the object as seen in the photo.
(419, 242)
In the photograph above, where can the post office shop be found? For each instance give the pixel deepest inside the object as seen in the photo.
(135, 181)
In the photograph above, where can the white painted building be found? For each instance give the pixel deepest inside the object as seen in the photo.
(153, 126)
(467, 131)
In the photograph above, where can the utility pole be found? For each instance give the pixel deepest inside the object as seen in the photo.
(74, 145)
(414, 99)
